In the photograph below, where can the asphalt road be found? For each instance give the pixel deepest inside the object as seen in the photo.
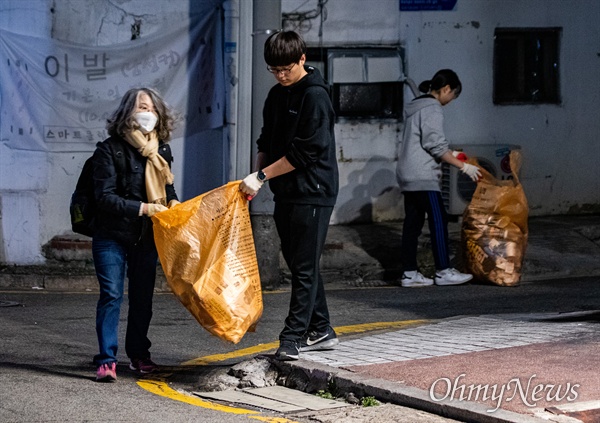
(47, 341)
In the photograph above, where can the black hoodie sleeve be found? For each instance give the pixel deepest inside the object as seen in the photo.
(313, 136)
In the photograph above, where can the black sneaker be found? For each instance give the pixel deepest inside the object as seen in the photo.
(315, 341)
(288, 350)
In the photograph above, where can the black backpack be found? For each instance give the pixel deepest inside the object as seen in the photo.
(83, 203)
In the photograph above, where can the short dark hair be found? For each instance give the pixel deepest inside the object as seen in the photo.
(283, 48)
(121, 121)
(442, 78)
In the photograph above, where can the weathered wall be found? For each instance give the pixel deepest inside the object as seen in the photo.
(24, 176)
(560, 143)
(366, 149)
(35, 187)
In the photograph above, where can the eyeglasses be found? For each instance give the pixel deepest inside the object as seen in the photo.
(284, 71)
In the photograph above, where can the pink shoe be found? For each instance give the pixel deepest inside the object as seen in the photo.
(107, 372)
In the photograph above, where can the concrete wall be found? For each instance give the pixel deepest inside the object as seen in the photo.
(560, 143)
(35, 187)
(24, 176)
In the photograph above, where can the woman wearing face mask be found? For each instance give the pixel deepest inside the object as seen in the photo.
(133, 181)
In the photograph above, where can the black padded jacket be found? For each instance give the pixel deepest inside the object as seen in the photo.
(118, 197)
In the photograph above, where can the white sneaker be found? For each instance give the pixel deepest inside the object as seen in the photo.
(414, 278)
(451, 276)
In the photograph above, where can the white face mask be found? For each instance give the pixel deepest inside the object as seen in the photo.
(147, 121)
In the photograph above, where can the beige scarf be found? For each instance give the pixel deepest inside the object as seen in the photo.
(158, 173)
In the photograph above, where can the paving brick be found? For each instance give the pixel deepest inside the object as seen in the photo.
(446, 338)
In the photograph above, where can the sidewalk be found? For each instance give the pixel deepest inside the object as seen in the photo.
(558, 247)
(502, 368)
(493, 368)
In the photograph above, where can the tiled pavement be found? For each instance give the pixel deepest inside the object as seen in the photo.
(456, 336)
(430, 367)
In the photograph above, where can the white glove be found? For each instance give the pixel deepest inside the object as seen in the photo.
(471, 171)
(251, 184)
(173, 203)
(152, 209)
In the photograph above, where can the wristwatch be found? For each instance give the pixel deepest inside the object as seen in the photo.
(261, 176)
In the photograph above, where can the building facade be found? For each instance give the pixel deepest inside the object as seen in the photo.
(529, 72)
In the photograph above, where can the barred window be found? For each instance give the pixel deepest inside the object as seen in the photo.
(526, 65)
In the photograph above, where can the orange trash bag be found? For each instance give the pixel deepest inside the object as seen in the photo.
(494, 229)
(206, 250)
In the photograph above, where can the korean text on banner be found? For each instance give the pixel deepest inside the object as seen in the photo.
(56, 95)
(206, 249)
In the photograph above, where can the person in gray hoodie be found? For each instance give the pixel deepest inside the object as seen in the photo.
(419, 169)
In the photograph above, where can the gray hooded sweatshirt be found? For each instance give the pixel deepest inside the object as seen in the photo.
(423, 143)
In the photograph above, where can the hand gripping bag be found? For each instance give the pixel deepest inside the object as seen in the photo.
(206, 250)
(494, 228)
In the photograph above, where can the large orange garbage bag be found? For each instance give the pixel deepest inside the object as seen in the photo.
(206, 249)
(494, 229)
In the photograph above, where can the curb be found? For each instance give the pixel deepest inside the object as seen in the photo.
(321, 377)
(39, 278)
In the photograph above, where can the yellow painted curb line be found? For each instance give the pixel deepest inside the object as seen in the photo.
(366, 327)
(233, 354)
(342, 330)
(161, 388)
(158, 386)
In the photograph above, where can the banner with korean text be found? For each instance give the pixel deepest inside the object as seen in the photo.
(57, 96)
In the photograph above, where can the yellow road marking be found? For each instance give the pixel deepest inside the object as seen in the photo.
(161, 388)
(158, 385)
(365, 327)
(234, 354)
(341, 330)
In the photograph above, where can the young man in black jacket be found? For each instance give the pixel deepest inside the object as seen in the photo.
(296, 153)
